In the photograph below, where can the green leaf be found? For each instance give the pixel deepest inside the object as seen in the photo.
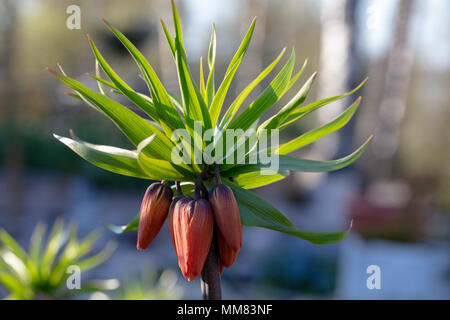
(263, 209)
(257, 212)
(244, 94)
(130, 226)
(58, 237)
(212, 48)
(169, 38)
(86, 244)
(176, 101)
(160, 169)
(99, 83)
(167, 112)
(132, 125)
(98, 258)
(275, 121)
(12, 245)
(251, 180)
(18, 289)
(33, 261)
(202, 80)
(120, 85)
(219, 98)
(313, 135)
(37, 238)
(302, 165)
(164, 170)
(267, 99)
(305, 110)
(271, 95)
(113, 159)
(195, 107)
(105, 82)
(210, 83)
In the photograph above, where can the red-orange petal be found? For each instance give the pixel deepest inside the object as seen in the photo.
(226, 215)
(153, 213)
(192, 224)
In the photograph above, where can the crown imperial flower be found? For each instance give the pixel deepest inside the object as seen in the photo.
(226, 215)
(227, 254)
(153, 213)
(192, 224)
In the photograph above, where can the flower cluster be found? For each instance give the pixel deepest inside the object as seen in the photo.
(193, 221)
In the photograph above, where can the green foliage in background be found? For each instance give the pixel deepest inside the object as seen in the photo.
(150, 285)
(41, 273)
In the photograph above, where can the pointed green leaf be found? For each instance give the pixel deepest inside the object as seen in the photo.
(99, 83)
(36, 241)
(252, 180)
(120, 85)
(195, 107)
(167, 112)
(58, 237)
(267, 99)
(12, 245)
(113, 159)
(244, 94)
(302, 165)
(169, 38)
(98, 258)
(219, 98)
(132, 125)
(313, 135)
(130, 226)
(305, 110)
(265, 211)
(105, 82)
(202, 80)
(161, 169)
(164, 170)
(210, 83)
(275, 121)
(256, 212)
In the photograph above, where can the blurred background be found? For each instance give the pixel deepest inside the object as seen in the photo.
(397, 193)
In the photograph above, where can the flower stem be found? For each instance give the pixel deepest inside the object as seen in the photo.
(179, 190)
(217, 174)
(210, 282)
(198, 185)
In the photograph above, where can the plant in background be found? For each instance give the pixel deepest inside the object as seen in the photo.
(42, 272)
(150, 285)
(212, 200)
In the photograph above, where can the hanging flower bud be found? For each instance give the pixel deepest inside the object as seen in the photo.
(154, 208)
(226, 215)
(192, 224)
(176, 205)
(227, 254)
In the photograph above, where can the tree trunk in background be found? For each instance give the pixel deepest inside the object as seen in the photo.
(394, 95)
(13, 168)
(337, 69)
